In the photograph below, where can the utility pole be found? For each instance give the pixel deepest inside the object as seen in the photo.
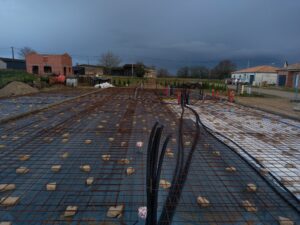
(12, 53)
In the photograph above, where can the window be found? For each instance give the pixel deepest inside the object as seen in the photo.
(35, 69)
(47, 69)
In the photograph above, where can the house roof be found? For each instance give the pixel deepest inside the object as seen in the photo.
(86, 65)
(12, 60)
(259, 69)
(295, 66)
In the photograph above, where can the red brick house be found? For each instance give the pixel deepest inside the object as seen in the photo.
(287, 76)
(42, 64)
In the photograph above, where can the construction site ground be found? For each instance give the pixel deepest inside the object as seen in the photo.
(274, 104)
(99, 136)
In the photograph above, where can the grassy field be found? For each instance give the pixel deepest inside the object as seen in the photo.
(7, 76)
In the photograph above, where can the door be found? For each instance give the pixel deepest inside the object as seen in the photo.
(65, 71)
(281, 80)
(251, 79)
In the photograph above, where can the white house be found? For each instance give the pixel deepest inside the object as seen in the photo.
(257, 75)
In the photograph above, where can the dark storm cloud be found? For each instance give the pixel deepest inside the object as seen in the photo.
(168, 33)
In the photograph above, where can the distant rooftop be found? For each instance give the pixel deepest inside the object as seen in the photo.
(295, 66)
(11, 60)
(259, 69)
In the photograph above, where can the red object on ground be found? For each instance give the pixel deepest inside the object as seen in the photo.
(213, 92)
(231, 96)
(61, 79)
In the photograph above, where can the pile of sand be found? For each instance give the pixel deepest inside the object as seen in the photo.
(17, 88)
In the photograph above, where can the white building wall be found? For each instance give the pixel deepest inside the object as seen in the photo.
(244, 77)
(2, 65)
(269, 78)
(259, 78)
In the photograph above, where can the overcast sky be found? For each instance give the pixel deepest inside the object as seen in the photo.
(164, 33)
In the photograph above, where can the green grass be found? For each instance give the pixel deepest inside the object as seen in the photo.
(7, 76)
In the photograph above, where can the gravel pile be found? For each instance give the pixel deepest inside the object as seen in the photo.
(17, 88)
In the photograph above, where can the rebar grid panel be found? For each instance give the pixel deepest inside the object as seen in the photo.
(273, 141)
(259, 137)
(16, 105)
(230, 188)
(115, 122)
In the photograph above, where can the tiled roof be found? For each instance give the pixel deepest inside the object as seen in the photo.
(259, 69)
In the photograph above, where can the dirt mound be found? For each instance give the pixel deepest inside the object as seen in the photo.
(17, 88)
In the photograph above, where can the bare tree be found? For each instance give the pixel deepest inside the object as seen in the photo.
(110, 60)
(162, 72)
(224, 69)
(25, 51)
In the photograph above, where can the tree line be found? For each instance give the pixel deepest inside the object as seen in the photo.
(221, 71)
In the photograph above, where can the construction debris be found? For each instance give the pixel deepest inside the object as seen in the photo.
(251, 187)
(89, 181)
(104, 85)
(114, 212)
(56, 168)
(51, 186)
(203, 202)
(22, 170)
(130, 171)
(164, 184)
(105, 157)
(85, 168)
(24, 157)
(70, 211)
(285, 221)
(7, 187)
(250, 207)
(9, 201)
